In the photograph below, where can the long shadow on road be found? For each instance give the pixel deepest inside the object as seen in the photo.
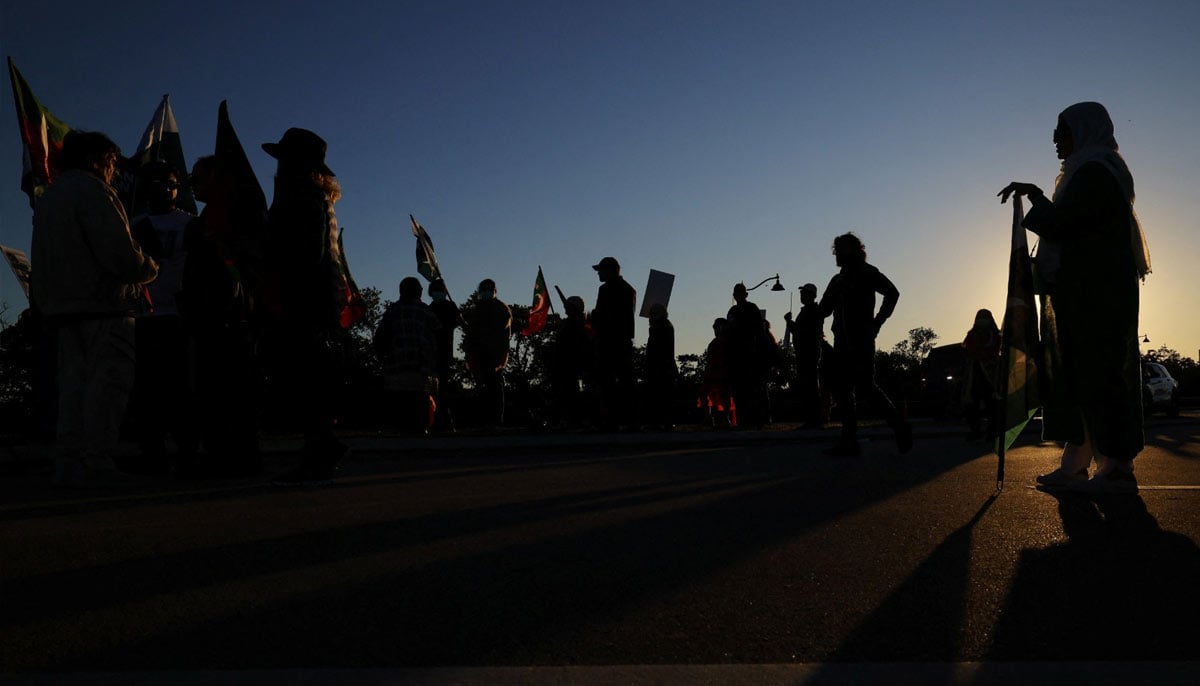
(1120, 588)
(522, 600)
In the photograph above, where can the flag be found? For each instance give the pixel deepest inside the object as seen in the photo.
(237, 203)
(427, 264)
(160, 142)
(540, 310)
(1018, 365)
(352, 308)
(42, 135)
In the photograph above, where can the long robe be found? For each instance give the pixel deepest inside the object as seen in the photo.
(1091, 365)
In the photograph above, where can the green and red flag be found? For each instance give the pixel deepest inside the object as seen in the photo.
(1018, 382)
(160, 143)
(539, 311)
(427, 264)
(42, 135)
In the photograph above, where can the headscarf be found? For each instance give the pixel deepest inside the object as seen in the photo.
(1092, 135)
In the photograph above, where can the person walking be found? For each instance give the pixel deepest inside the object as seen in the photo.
(850, 298)
(1091, 257)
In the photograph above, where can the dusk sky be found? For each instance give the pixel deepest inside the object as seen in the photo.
(717, 141)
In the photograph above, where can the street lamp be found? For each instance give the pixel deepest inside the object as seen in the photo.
(777, 287)
(1145, 338)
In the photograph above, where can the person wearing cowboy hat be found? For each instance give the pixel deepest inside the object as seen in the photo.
(299, 302)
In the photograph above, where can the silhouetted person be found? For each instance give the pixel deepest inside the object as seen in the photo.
(571, 363)
(612, 324)
(980, 401)
(850, 298)
(717, 393)
(301, 305)
(1091, 256)
(88, 275)
(486, 344)
(449, 318)
(807, 334)
(750, 359)
(662, 370)
(217, 308)
(162, 401)
(406, 341)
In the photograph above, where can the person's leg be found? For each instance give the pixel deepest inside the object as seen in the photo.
(69, 468)
(111, 366)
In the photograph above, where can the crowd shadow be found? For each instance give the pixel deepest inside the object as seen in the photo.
(503, 605)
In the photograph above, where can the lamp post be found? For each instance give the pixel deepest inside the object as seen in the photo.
(777, 287)
(1145, 338)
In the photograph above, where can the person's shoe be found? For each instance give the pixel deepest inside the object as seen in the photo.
(1117, 482)
(843, 450)
(904, 438)
(1060, 478)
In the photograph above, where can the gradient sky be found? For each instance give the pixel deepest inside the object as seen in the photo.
(718, 141)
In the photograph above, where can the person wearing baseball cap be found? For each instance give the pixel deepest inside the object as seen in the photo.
(807, 332)
(612, 324)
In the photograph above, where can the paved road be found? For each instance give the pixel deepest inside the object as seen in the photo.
(693, 558)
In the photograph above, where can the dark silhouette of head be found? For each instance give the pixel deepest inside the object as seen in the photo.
(92, 152)
(575, 307)
(203, 176)
(300, 149)
(848, 249)
(719, 325)
(985, 320)
(607, 269)
(658, 311)
(740, 293)
(410, 289)
(808, 294)
(487, 289)
(159, 182)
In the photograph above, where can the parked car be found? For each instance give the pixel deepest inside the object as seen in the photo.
(1160, 390)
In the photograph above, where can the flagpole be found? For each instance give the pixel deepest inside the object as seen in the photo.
(549, 300)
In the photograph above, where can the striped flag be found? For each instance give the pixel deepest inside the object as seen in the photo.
(42, 135)
(427, 264)
(1018, 365)
(540, 310)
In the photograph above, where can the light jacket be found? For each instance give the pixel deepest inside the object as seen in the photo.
(84, 260)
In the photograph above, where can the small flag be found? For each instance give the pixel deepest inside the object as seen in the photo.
(540, 310)
(427, 264)
(1018, 366)
(42, 135)
(20, 266)
(160, 142)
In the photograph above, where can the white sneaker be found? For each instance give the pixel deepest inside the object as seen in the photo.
(1060, 478)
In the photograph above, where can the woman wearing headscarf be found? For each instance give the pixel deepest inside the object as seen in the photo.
(982, 347)
(1091, 257)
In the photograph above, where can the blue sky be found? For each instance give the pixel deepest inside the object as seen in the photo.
(718, 141)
